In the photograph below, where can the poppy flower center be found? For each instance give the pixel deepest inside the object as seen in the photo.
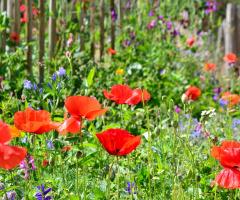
(235, 166)
(117, 150)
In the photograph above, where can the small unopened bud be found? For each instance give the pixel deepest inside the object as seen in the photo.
(184, 99)
(180, 177)
(112, 175)
(2, 186)
(157, 131)
(78, 154)
(164, 97)
(139, 115)
(32, 139)
(170, 113)
(175, 124)
(52, 162)
(198, 178)
(232, 111)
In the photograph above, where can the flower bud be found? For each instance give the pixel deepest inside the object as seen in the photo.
(52, 161)
(174, 124)
(157, 131)
(170, 113)
(190, 102)
(78, 154)
(198, 178)
(232, 111)
(164, 98)
(184, 99)
(112, 175)
(139, 115)
(2, 186)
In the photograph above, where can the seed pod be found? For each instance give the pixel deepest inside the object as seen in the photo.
(2, 186)
(139, 115)
(52, 162)
(198, 178)
(184, 99)
(174, 124)
(78, 154)
(164, 98)
(157, 131)
(232, 111)
(112, 175)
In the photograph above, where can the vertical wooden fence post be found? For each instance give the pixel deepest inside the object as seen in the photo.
(3, 34)
(112, 27)
(52, 28)
(17, 22)
(29, 19)
(64, 6)
(101, 28)
(41, 39)
(92, 27)
(120, 14)
(81, 25)
(238, 29)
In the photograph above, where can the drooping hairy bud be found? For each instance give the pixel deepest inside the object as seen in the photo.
(184, 99)
(157, 131)
(52, 162)
(78, 154)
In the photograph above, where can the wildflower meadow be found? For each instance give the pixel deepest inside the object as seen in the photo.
(119, 99)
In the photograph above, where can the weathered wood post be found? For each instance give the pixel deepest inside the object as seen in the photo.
(112, 26)
(101, 28)
(52, 28)
(81, 25)
(41, 39)
(17, 16)
(29, 21)
(3, 34)
(238, 29)
(92, 27)
(64, 7)
(120, 14)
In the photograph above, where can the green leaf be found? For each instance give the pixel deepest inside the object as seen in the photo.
(8, 189)
(90, 77)
(89, 145)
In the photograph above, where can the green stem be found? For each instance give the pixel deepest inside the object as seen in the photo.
(118, 196)
(109, 174)
(84, 180)
(184, 154)
(121, 116)
(77, 179)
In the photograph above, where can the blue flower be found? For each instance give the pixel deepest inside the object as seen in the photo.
(131, 186)
(44, 193)
(40, 90)
(49, 85)
(195, 134)
(54, 77)
(62, 71)
(27, 84)
(235, 122)
(34, 87)
(223, 103)
(49, 145)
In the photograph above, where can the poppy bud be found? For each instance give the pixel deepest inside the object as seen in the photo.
(78, 154)
(52, 161)
(184, 99)
(2, 186)
(198, 178)
(112, 175)
(139, 115)
(170, 113)
(32, 139)
(180, 177)
(190, 102)
(157, 131)
(174, 123)
(232, 111)
(164, 98)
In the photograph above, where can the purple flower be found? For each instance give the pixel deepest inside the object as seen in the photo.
(49, 85)
(152, 24)
(49, 145)
(235, 122)
(160, 17)
(54, 77)
(129, 5)
(199, 127)
(217, 92)
(32, 163)
(195, 134)
(113, 14)
(40, 90)
(175, 33)
(223, 103)
(27, 84)
(44, 193)
(169, 25)
(151, 13)
(130, 187)
(61, 71)
(178, 110)
(212, 6)
(34, 87)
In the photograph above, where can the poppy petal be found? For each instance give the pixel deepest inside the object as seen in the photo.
(107, 142)
(81, 105)
(228, 178)
(130, 146)
(93, 114)
(11, 156)
(5, 134)
(215, 152)
(71, 125)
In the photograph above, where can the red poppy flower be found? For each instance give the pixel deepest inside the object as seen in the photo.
(44, 163)
(228, 96)
(190, 41)
(15, 37)
(229, 157)
(138, 96)
(10, 156)
(209, 66)
(22, 8)
(118, 142)
(33, 121)
(230, 58)
(84, 107)
(193, 93)
(119, 94)
(111, 51)
(23, 19)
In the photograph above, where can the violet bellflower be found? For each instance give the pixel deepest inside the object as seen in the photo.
(27, 84)
(61, 72)
(212, 6)
(44, 193)
(113, 15)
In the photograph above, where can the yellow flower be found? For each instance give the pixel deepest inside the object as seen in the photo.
(15, 132)
(119, 71)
